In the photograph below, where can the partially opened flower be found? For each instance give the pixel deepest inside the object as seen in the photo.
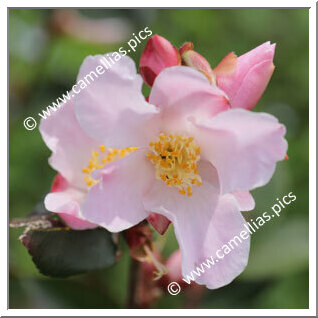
(190, 158)
(244, 78)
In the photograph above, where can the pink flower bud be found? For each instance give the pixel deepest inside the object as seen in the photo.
(197, 61)
(244, 79)
(158, 54)
(186, 47)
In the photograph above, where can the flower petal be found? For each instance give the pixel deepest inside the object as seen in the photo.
(112, 109)
(163, 199)
(71, 147)
(244, 200)
(243, 146)
(181, 91)
(203, 223)
(246, 84)
(66, 201)
(116, 201)
(221, 235)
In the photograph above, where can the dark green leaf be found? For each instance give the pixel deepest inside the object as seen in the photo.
(61, 252)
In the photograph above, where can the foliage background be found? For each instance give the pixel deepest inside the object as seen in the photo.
(44, 60)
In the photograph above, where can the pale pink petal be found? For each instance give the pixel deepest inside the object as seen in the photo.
(225, 229)
(66, 203)
(116, 201)
(71, 147)
(112, 108)
(246, 84)
(181, 91)
(162, 199)
(245, 200)
(243, 146)
(203, 223)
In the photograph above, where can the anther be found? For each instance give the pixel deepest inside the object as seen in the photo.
(175, 158)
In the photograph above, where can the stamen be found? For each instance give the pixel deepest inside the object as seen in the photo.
(160, 268)
(175, 158)
(100, 159)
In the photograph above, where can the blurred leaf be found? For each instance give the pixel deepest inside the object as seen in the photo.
(38, 214)
(61, 252)
(238, 294)
(279, 249)
(289, 292)
(67, 54)
(57, 294)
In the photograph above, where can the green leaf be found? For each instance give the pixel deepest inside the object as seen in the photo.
(62, 252)
(291, 292)
(278, 249)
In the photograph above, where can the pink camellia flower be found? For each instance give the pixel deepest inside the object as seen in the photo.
(158, 54)
(244, 79)
(191, 158)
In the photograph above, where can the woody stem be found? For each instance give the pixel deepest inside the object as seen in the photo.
(133, 283)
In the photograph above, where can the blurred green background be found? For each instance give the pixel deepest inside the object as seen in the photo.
(47, 47)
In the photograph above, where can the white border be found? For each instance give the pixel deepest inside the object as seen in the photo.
(156, 312)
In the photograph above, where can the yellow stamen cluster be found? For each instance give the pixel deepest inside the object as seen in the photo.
(99, 159)
(175, 158)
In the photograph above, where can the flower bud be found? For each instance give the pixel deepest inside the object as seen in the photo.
(197, 61)
(188, 46)
(244, 79)
(158, 54)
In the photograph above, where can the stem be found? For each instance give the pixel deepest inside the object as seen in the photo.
(133, 280)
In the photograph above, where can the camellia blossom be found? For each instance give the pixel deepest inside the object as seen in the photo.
(186, 154)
